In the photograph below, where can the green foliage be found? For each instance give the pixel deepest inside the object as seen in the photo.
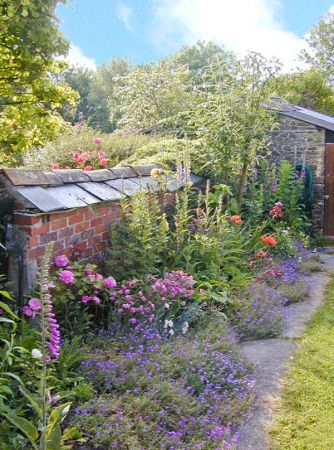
(305, 418)
(152, 98)
(321, 49)
(167, 152)
(117, 147)
(309, 89)
(140, 240)
(30, 43)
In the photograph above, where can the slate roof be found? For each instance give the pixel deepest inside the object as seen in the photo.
(304, 114)
(56, 190)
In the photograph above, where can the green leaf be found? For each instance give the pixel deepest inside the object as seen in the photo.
(6, 308)
(6, 295)
(27, 428)
(33, 402)
(54, 439)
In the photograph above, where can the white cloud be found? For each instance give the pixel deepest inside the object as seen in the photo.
(76, 57)
(239, 25)
(124, 14)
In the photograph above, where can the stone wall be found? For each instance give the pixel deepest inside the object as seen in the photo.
(298, 141)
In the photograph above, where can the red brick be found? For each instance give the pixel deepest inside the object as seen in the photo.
(95, 239)
(105, 236)
(25, 219)
(66, 232)
(100, 228)
(102, 210)
(48, 237)
(87, 252)
(81, 227)
(41, 229)
(89, 214)
(87, 234)
(36, 253)
(76, 219)
(96, 221)
(59, 245)
(33, 242)
(79, 246)
(58, 224)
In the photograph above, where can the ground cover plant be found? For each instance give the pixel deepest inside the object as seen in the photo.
(305, 418)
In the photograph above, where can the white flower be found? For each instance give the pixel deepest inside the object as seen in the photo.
(185, 327)
(167, 305)
(171, 332)
(285, 233)
(35, 353)
(168, 324)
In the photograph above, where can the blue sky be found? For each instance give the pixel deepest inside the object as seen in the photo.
(146, 30)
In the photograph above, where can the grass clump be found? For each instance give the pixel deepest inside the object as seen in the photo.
(306, 412)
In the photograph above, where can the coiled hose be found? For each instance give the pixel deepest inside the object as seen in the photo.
(308, 192)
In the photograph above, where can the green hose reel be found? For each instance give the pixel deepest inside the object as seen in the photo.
(308, 192)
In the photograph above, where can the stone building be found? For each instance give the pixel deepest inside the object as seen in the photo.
(308, 137)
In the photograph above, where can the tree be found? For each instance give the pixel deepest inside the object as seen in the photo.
(30, 43)
(309, 89)
(152, 98)
(232, 122)
(101, 94)
(321, 47)
(79, 79)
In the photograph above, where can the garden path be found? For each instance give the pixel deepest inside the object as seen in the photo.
(271, 359)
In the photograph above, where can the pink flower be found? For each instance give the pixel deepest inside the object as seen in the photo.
(101, 155)
(51, 286)
(34, 304)
(26, 311)
(55, 167)
(61, 261)
(86, 298)
(66, 276)
(133, 321)
(88, 168)
(96, 300)
(97, 141)
(103, 162)
(110, 283)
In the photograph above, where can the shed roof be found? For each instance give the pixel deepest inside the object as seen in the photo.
(56, 190)
(304, 114)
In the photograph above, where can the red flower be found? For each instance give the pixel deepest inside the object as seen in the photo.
(261, 254)
(55, 166)
(236, 219)
(88, 168)
(270, 240)
(104, 162)
(277, 211)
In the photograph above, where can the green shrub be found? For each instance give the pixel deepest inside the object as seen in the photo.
(116, 146)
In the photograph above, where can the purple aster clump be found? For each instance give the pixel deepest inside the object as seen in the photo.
(290, 270)
(154, 393)
(260, 313)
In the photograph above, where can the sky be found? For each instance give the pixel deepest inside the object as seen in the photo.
(148, 30)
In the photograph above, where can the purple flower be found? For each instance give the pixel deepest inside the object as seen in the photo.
(34, 304)
(110, 283)
(66, 276)
(26, 311)
(51, 286)
(96, 300)
(61, 261)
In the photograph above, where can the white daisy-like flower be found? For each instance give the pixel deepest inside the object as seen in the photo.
(36, 354)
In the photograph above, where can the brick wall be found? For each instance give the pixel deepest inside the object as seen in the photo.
(298, 141)
(82, 233)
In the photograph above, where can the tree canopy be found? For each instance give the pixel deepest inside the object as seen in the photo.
(30, 45)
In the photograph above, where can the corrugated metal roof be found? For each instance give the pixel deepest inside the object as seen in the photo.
(303, 114)
(72, 188)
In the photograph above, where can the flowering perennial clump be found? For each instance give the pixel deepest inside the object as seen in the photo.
(270, 240)
(155, 393)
